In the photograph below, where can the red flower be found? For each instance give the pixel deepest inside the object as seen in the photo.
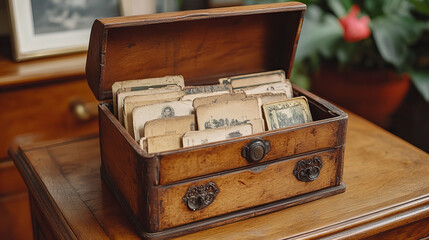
(355, 29)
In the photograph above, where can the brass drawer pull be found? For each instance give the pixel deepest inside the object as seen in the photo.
(84, 111)
(256, 150)
(199, 197)
(308, 170)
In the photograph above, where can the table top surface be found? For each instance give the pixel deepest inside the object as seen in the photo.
(387, 186)
(42, 70)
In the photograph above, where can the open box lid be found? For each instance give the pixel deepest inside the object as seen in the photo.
(200, 45)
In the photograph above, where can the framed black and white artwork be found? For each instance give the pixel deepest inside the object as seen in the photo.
(49, 27)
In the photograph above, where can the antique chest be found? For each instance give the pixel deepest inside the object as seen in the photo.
(176, 192)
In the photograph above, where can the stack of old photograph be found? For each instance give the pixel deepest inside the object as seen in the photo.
(163, 114)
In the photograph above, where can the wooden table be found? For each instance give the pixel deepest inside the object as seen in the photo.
(39, 100)
(387, 195)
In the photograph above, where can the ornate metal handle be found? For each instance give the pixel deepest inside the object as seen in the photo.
(83, 111)
(308, 170)
(199, 197)
(256, 150)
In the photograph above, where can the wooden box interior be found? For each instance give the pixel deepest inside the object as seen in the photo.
(318, 107)
(326, 118)
(202, 45)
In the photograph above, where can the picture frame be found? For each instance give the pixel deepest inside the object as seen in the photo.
(51, 27)
(137, 7)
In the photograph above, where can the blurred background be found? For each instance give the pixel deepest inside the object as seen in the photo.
(368, 56)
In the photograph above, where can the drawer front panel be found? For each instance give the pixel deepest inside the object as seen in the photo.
(245, 188)
(43, 112)
(283, 143)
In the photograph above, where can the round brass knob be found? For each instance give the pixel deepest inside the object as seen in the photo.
(83, 111)
(256, 150)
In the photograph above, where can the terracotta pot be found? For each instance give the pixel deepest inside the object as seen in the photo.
(374, 95)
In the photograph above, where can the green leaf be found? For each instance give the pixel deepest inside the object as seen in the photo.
(396, 7)
(318, 32)
(393, 34)
(299, 75)
(373, 8)
(347, 4)
(337, 7)
(421, 6)
(421, 81)
(313, 13)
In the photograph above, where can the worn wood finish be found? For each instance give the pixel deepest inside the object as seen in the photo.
(50, 69)
(132, 169)
(50, 85)
(119, 166)
(35, 97)
(42, 112)
(42, 228)
(411, 231)
(134, 174)
(254, 39)
(222, 219)
(387, 194)
(59, 226)
(14, 208)
(327, 132)
(293, 141)
(10, 180)
(15, 222)
(245, 189)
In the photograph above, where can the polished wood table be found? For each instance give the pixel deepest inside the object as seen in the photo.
(387, 195)
(39, 101)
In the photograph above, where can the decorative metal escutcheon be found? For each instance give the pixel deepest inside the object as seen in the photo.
(199, 197)
(256, 150)
(308, 170)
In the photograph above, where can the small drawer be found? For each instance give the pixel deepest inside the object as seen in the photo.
(233, 191)
(285, 142)
(47, 111)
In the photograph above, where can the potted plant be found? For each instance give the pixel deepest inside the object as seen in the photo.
(361, 54)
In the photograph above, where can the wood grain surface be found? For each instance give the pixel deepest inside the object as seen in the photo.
(13, 74)
(246, 188)
(36, 98)
(15, 222)
(294, 141)
(201, 45)
(14, 206)
(43, 112)
(10, 180)
(387, 194)
(135, 174)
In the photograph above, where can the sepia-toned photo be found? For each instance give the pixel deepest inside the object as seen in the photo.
(223, 122)
(288, 117)
(194, 138)
(287, 113)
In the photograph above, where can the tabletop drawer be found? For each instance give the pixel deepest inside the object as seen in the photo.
(288, 142)
(46, 111)
(232, 191)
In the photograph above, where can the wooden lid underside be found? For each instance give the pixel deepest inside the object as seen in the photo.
(223, 42)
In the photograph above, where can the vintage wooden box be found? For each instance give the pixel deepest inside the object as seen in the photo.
(177, 192)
